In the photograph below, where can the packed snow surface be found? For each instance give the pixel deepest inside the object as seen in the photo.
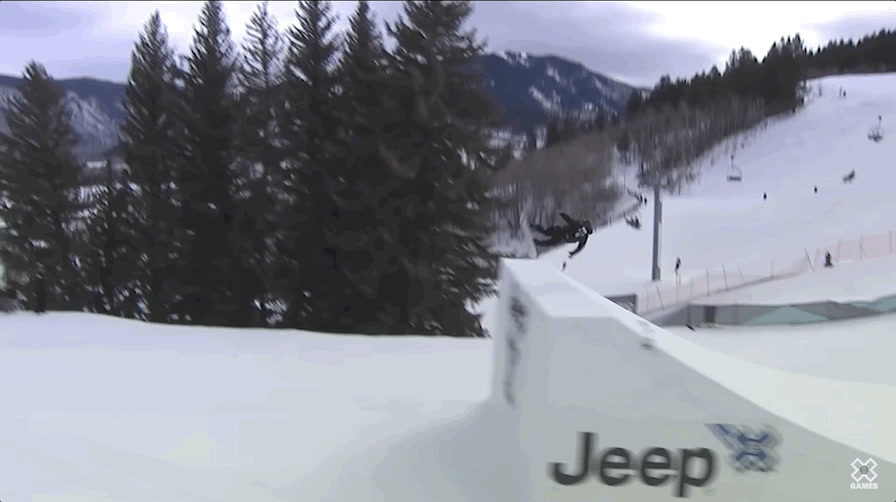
(855, 281)
(104, 409)
(858, 350)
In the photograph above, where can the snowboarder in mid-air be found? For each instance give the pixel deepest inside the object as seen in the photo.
(573, 231)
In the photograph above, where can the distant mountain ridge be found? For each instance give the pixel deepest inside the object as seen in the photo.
(94, 107)
(530, 89)
(533, 88)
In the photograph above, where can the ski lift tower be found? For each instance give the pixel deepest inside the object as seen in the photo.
(659, 181)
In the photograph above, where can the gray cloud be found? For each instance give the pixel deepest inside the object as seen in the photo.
(855, 25)
(610, 38)
(61, 36)
(31, 20)
(617, 39)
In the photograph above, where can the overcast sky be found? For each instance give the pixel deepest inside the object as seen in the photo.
(635, 42)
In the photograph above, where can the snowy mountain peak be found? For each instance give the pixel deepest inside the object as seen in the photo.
(534, 88)
(517, 58)
(93, 107)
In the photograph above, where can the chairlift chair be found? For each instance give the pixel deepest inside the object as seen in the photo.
(876, 133)
(734, 174)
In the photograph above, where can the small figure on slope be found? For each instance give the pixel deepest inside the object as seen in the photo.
(678, 270)
(573, 231)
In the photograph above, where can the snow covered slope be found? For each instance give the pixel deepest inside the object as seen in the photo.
(718, 222)
(102, 409)
(858, 281)
(857, 350)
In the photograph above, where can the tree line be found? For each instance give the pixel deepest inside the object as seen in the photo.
(700, 112)
(776, 79)
(872, 53)
(309, 179)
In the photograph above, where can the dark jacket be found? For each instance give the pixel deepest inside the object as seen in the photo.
(575, 232)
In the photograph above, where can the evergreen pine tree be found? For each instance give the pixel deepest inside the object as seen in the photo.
(39, 180)
(310, 126)
(261, 177)
(150, 133)
(363, 229)
(111, 259)
(441, 143)
(211, 278)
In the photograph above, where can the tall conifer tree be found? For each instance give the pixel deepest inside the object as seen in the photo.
(261, 176)
(150, 133)
(440, 143)
(212, 279)
(39, 203)
(310, 126)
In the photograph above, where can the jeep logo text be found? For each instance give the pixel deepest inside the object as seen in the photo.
(654, 467)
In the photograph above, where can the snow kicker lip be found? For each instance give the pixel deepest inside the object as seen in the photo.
(583, 367)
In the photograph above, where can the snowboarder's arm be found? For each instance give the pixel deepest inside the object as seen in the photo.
(579, 248)
(567, 219)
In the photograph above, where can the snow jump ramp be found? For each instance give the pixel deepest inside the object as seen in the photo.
(606, 406)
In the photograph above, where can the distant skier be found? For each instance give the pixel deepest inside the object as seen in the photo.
(827, 260)
(573, 231)
(764, 196)
(816, 189)
(678, 270)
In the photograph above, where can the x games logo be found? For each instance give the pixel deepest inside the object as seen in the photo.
(863, 471)
(750, 451)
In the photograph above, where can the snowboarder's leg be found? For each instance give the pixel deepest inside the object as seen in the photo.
(553, 241)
